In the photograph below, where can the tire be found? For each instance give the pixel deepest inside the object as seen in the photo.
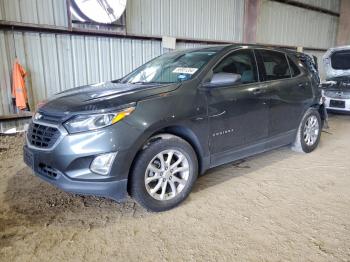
(148, 165)
(302, 143)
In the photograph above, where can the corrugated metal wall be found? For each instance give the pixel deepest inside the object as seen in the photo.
(290, 25)
(285, 24)
(204, 19)
(44, 12)
(200, 19)
(57, 62)
(332, 5)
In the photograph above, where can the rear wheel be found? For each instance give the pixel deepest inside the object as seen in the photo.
(309, 132)
(164, 173)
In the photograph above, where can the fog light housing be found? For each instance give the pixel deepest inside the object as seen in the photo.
(102, 164)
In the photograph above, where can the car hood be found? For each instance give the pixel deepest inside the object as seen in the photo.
(101, 97)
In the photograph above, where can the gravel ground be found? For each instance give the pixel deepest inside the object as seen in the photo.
(277, 206)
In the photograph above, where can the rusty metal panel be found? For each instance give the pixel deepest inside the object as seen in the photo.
(289, 25)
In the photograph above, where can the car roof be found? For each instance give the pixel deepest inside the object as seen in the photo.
(218, 48)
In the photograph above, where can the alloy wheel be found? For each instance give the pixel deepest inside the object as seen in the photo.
(311, 130)
(167, 174)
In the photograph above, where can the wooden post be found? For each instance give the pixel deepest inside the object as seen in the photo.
(343, 36)
(251, 14)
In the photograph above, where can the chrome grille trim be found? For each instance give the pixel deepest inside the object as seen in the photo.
(61, 132)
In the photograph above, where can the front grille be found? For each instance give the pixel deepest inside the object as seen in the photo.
(48, 171)
(42, 136)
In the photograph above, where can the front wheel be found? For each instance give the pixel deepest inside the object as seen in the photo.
(309, 132)
(164, 173)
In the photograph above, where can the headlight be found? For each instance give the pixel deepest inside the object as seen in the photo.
(81, 123)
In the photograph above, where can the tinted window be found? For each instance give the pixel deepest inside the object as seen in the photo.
(293, 68)
(275, 65)
(239, 62)
(341, 60)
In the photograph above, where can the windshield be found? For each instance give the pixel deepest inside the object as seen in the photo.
(171, 67)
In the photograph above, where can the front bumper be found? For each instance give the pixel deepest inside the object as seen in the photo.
(113, 189)
(328, 105)
(67, 163)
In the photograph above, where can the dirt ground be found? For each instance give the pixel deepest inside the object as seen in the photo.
(278, 206)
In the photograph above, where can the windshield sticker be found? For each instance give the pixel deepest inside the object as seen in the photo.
(185, 70)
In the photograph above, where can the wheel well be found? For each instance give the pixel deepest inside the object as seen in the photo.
(322, 111)
(180, 131)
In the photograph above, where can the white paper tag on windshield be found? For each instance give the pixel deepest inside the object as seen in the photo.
(185, 70)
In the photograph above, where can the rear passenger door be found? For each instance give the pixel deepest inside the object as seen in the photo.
(238, 113)
(289, 90)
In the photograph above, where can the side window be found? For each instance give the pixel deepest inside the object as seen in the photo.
(294, 69)
(240, 62)
(275, 65)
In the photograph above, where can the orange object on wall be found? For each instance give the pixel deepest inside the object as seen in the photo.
(19, 91)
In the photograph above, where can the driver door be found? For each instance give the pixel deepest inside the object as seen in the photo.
(238, 112)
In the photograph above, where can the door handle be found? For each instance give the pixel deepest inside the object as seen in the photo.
(301, 85)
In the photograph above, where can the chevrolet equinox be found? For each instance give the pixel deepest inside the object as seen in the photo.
(150, 133)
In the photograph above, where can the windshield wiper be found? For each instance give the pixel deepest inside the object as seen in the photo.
(137, 83)
(147, 83)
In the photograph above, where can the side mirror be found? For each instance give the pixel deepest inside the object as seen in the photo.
(223, 79)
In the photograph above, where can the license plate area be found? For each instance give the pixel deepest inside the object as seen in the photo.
(337, 103)
(28, 158)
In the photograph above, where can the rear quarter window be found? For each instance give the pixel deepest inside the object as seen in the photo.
(275, 65)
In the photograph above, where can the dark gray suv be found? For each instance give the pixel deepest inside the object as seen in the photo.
(152, 132)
